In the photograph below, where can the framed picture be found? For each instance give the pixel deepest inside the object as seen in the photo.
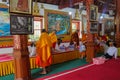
(4, 22)
(93, 12)
(58, 21)
(94, 27)
(109, 28)
(21, 24)
(21, 6)
(84, 24)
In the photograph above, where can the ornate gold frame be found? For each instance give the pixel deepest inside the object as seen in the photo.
(47, 11)
(15, 8)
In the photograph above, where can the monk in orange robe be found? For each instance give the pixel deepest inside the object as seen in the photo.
(43, 49)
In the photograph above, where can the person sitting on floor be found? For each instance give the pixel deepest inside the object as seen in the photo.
(111, 52)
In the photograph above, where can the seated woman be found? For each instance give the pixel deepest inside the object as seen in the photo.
(111, 52)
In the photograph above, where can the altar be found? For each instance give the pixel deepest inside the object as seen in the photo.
(65, 56)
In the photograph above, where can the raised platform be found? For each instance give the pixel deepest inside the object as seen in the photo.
(65, 56)
(7, 62)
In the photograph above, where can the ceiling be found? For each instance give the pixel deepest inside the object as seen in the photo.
(103, 5)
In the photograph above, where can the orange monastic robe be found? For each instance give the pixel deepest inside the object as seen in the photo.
(84, 38)
(43, 48)
(53, 39)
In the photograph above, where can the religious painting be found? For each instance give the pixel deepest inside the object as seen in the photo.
(21, 24)
(93, 12)
(84, 24)
(21, 6)
(57, 21)
(109, 27)
(4, 22)
(94, 27)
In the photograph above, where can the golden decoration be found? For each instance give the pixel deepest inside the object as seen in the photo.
(77, 15)
(36, 9)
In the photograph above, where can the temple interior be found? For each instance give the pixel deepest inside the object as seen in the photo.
(60, 34)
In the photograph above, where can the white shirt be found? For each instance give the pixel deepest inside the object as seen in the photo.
(81, 47)
(32, 50)
(112, 51)
(57, 47)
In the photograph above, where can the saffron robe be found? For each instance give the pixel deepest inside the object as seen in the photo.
(43, 49)
(53, 39)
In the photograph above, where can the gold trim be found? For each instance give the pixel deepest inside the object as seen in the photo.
(36, 9)
(3, 5)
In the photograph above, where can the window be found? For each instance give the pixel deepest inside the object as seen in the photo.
(76, 26)
(38, 23)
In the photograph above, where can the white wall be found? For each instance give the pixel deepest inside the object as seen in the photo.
(7, 2)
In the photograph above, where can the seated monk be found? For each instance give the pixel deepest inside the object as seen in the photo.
(75, 38)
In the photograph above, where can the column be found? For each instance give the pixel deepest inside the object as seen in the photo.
(117, 22)
(90, 37)
(21, 58)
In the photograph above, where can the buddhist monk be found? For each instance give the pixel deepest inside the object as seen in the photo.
(43, 49)
(75, 38)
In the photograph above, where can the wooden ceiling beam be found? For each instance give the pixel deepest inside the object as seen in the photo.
(56, 2)
(68, 3)
(49, 1)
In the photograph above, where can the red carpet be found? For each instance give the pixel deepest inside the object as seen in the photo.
(110, 70)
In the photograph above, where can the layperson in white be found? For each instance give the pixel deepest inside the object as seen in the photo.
(111, 52)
